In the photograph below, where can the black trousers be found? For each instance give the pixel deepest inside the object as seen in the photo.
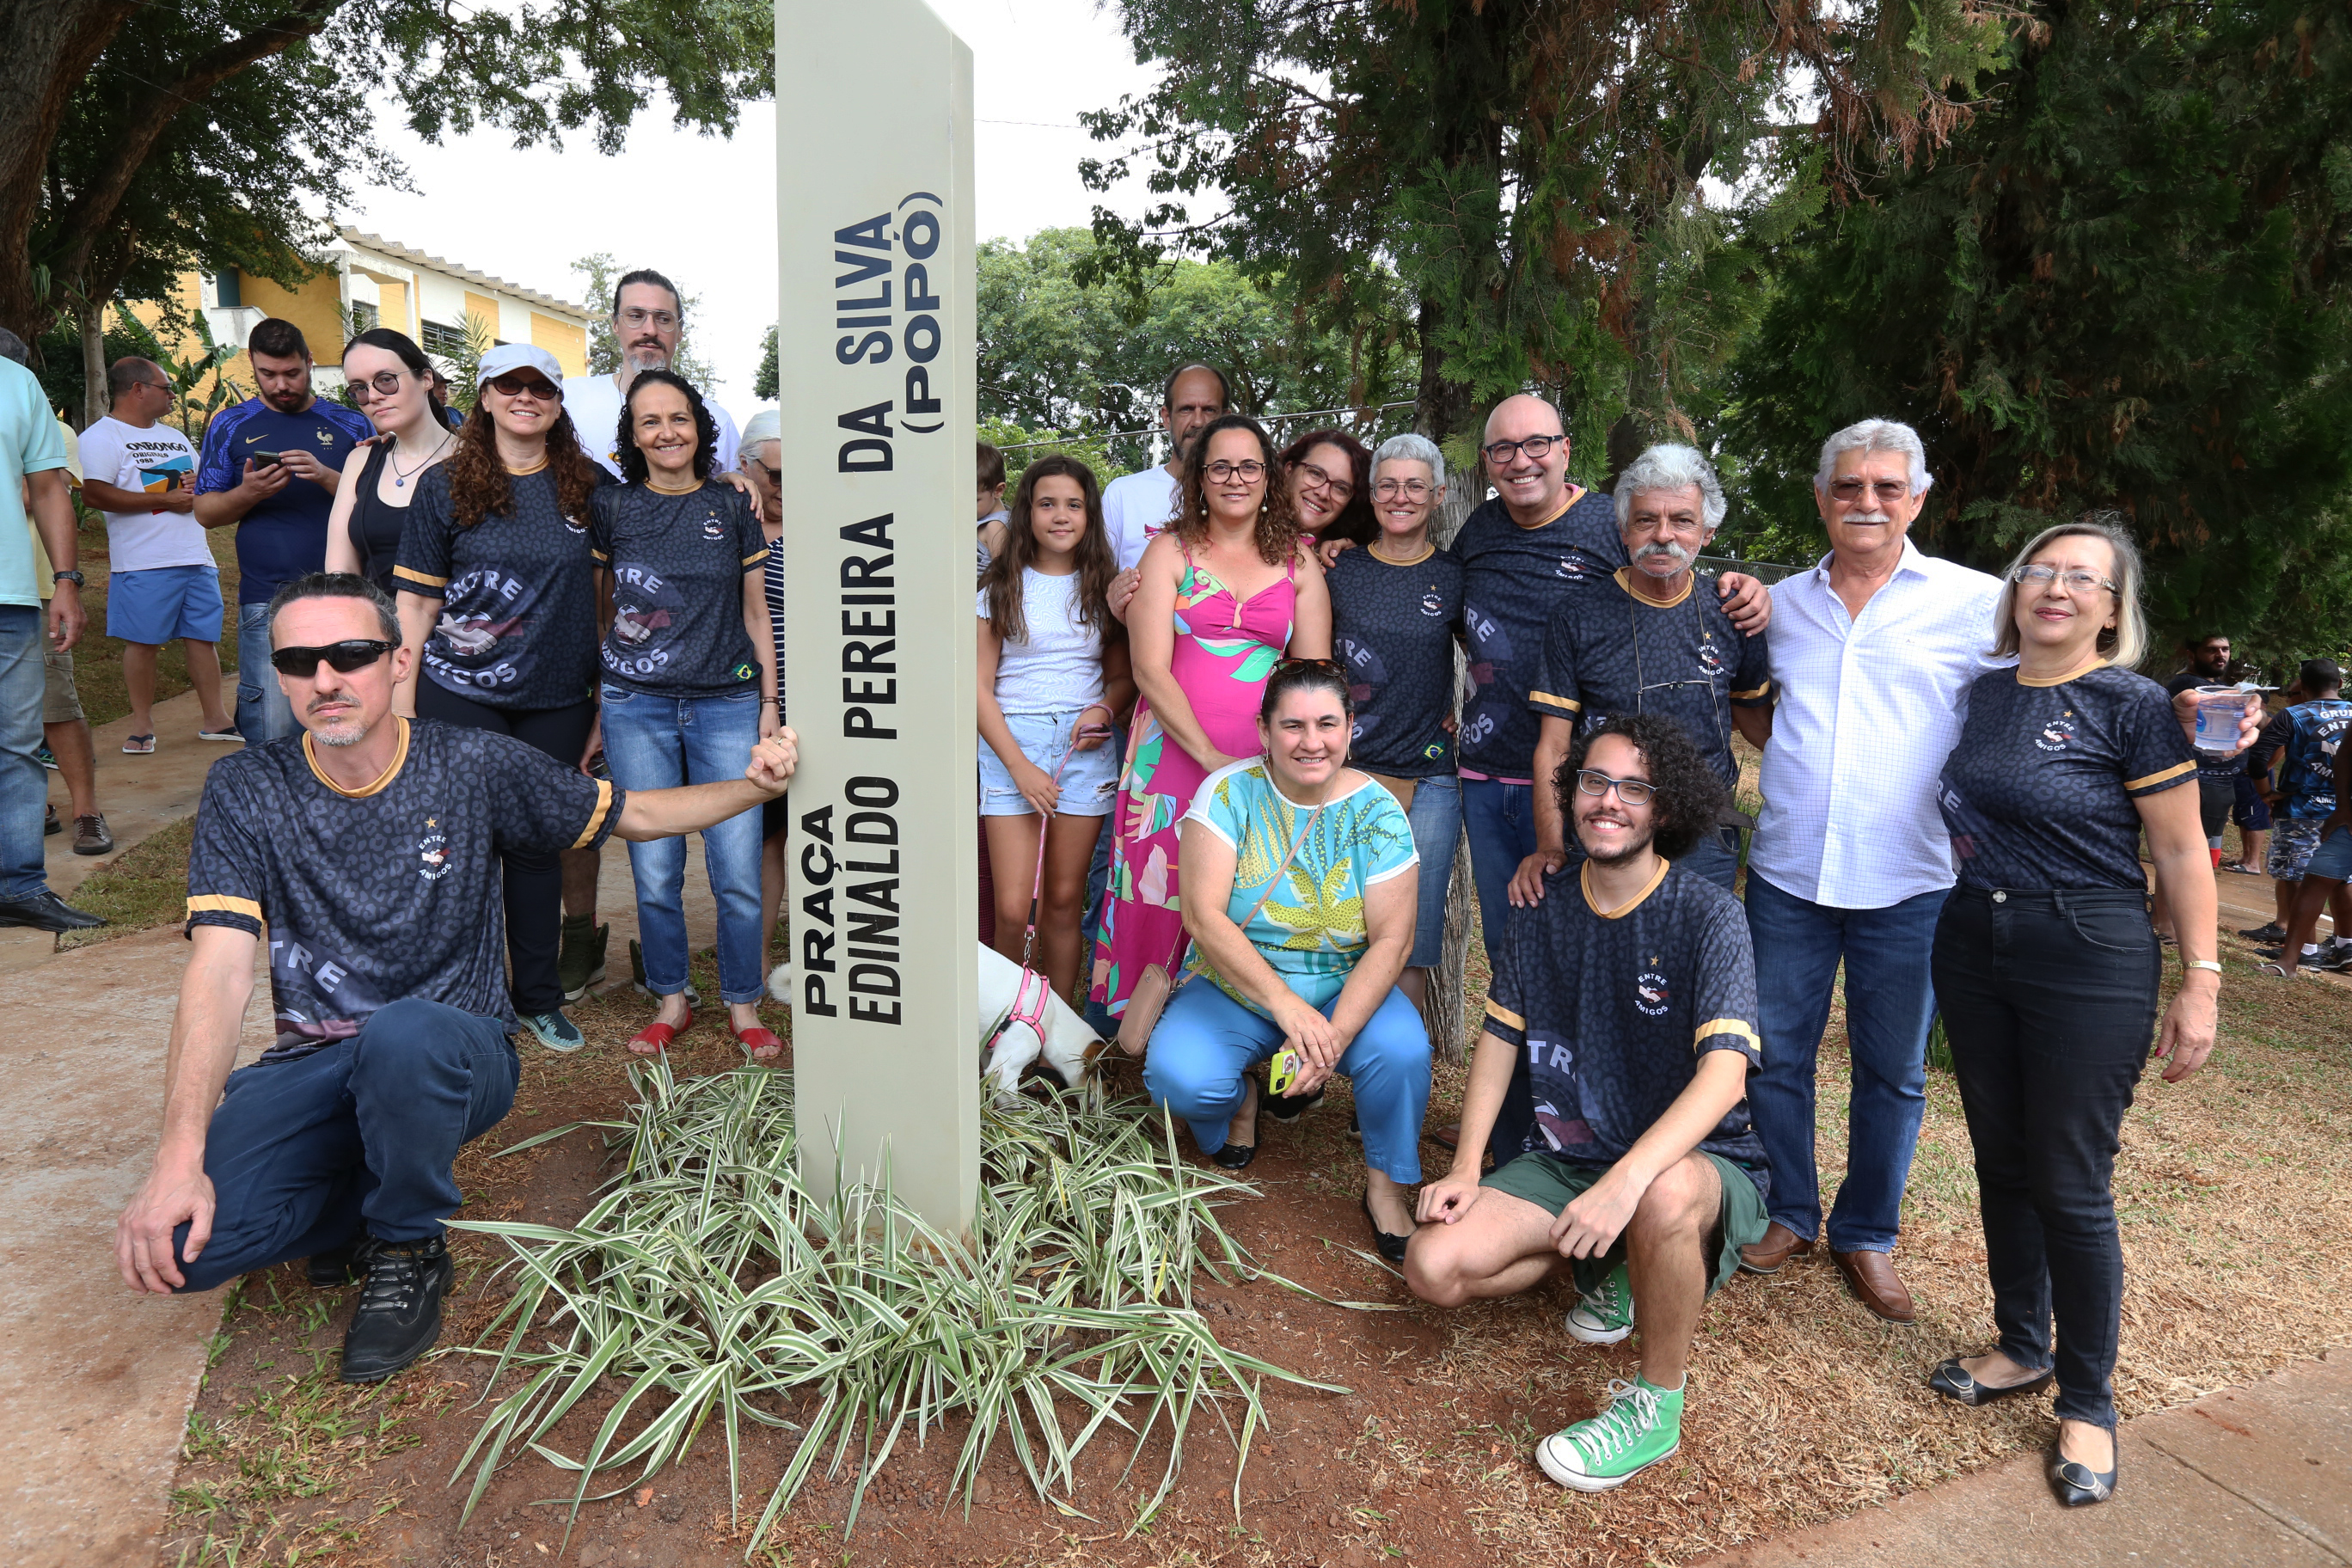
(2049, 1000)
(534, 878)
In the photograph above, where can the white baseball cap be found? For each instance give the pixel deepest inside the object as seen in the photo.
(519, 356)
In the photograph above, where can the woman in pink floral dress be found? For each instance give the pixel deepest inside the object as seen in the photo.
(1227, 592)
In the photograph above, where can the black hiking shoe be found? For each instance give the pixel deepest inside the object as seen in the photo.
(399, 1315)
(344, 1264)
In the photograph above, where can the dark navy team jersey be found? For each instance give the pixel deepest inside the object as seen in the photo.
(518, 623)
(1513, 582)
(1393, 626)
(286, 536)
(677, 564)
(2038, 792)
(1609, 1015)
(390, 892)
(1616, 652)
(2303, 740)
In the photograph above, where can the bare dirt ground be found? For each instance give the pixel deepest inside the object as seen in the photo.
(2234, 1191)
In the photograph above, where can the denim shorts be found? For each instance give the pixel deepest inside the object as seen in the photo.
(2332, 861)
(1089, 781)
(158, 604)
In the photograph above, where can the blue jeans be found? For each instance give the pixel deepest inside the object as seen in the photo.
(262, 711)
(661, 742)
(1889, 1003)
(1436, 818)
(1715, 857)
(24, 782)
(1205, 1041)
(1501, 819)
(302, 1155)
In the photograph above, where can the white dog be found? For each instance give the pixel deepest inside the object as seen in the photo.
(1067, 1044)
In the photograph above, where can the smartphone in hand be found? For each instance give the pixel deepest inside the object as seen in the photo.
(1285, 1073)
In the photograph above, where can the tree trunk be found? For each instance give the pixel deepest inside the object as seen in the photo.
(90, 316)
(51, 44)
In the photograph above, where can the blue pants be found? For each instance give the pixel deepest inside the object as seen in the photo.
(1206, 1040)
(1437, 819)
(24, 782)
(262, 711)
(1097, 1016)
(1501, 821)
(1889, 1002)
(661, 742)
(302, 1155)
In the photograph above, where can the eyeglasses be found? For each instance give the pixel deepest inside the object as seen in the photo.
(1633, 791)
(1885, 490)
(1410, 490)
(1536, 448)
(357, 653)
(2078, 581)
(1249, 470)
(1312, 478)
(516, 385)
(1331, 664)
(383, 383)
(633, 317)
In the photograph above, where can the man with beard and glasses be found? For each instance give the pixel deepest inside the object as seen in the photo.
(1655, 645)
(1873, 650)
(1611, 1084)
(1139, 505)
(367, 853)
(648, 322)
(271, 468)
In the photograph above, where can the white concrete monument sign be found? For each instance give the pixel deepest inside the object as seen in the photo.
(874, 209)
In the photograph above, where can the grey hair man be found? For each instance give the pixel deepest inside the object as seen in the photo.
(1652, 645)
(648, 323)
(1873, 652)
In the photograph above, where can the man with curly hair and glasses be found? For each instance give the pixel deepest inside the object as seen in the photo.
(1612, 1085)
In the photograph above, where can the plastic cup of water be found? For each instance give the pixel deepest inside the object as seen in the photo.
(2220, 712)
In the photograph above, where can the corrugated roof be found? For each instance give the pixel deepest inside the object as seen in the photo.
(376, 242)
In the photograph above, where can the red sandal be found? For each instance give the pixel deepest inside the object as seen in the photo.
(759, 1044)
(655, 1037)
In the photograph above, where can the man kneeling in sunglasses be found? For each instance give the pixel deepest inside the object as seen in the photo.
(366, 851)
(1611, 1078)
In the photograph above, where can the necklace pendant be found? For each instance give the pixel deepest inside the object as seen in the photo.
(399, 483)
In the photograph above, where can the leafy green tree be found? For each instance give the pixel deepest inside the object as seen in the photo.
(2120, 285)
(604, 352)
(1530, 170)
(765, 384)
(97, 95)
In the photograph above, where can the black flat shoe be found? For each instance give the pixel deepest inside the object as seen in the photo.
(1391, 1247)
(2076, 1485)
(1234, 1156)
(1291, 1107)
(1952, 1381)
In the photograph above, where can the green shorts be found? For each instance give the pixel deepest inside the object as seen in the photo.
(1551, 1183)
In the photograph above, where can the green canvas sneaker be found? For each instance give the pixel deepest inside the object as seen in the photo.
(1642, 1425)
(1604, 1316)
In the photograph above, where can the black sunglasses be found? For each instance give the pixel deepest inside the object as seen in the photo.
(357, 653)
(516, 385)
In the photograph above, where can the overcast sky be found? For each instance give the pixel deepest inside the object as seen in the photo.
(527, 216)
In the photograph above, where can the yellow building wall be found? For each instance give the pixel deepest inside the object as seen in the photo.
(312, 308)
(567, 341)
(393, 310)
(482, 305)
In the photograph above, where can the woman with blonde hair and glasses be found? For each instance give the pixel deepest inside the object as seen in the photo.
(2047, 972)
(1226, 593)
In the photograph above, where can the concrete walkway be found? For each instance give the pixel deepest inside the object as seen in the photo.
(2252, 1476)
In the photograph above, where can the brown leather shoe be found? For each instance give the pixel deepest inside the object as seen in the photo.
(1779, 1245)
(90, 837)
(1871, 1277)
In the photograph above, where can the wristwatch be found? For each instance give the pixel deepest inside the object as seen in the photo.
(73, 577)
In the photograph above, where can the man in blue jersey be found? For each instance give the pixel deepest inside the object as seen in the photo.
(2307, 742)
(269, 468)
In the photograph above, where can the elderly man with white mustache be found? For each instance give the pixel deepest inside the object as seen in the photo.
(1873, 652)
(1651, 646)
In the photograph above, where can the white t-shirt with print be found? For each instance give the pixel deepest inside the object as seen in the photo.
(1135, 507)
(153, 459)
(594, 404)
(1060, 667)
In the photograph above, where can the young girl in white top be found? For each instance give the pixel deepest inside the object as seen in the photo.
(1052, 676)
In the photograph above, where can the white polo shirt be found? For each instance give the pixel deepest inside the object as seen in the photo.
(1135, 507)
(1869, 709)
